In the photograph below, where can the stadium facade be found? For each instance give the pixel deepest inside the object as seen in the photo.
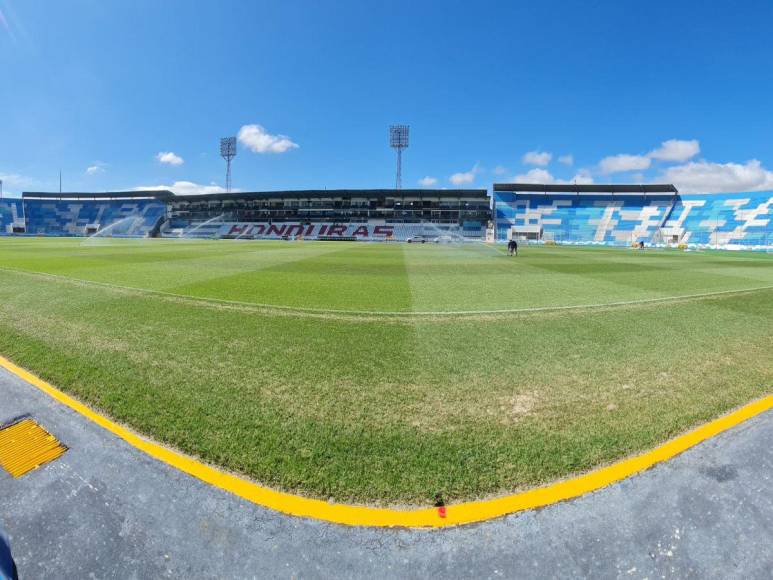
(360, 214)
(566, 214)
(629, 214)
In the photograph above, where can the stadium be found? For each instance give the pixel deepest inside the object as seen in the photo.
(387, 373)
(611, 215)
(386, 290)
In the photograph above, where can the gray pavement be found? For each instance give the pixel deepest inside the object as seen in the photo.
(106, 510)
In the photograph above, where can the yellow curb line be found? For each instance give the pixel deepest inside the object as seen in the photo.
(464, 513)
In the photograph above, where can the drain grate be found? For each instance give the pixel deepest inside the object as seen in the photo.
(25, 446)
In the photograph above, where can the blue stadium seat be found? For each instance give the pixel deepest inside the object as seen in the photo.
(727, 219)
(723, 219)
(134, 218)
(11, 213)
(572, 218)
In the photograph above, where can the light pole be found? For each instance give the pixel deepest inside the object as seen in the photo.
(228, 152)
(398, 140)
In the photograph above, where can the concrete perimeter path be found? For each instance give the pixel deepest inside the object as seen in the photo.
(106, 510)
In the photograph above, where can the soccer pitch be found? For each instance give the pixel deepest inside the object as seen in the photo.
(389, 374)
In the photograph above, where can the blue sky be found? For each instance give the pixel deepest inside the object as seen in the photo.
(121, 95)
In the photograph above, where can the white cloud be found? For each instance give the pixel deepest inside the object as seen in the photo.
(539, 175)
(582, 177)
(462, 177)
(676, 150)
(620, 163)
(169, 158)
(257, 140)
(14, 179)
(500, 170)
(566, 159)
(535, 175)
(186, 188)
(14, 183)
(541, 158)
(465, 177)
(708, 177)
(97, 168)
(428, 181)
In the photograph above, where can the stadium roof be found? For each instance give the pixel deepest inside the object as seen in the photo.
(166, 195)
(142, 194)
(592, 188)
(325, 193)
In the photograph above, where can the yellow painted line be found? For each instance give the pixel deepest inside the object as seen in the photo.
(25, 446)
(463, 513)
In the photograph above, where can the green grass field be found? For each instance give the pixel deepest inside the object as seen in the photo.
(388, 374)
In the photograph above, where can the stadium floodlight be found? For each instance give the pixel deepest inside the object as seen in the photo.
(228, 152)
(398, 140)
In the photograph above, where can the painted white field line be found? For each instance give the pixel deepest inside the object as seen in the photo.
(385, 313)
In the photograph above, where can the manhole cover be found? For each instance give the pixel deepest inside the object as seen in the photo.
(25, 446)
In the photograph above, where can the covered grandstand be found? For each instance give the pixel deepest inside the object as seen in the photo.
(127, 213)
(613, 214)
(723, 220)
(371, 214)
(616, 214)
(11, 216)
(342, 214)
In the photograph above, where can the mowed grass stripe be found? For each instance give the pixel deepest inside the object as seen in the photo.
(325, 276)
(393, 411)
(666, 273)
(268, 309)
(545, 276)
(347, 278)
(143, 264)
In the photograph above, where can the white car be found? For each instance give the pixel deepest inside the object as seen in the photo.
(417, 240)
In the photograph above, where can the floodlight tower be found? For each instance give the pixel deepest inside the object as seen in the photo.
(228, 152)
(398, 140)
